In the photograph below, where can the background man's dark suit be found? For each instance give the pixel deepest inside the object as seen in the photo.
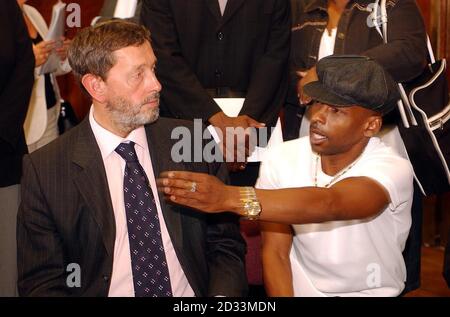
(66, 216)
(16, 83)
(246, 50)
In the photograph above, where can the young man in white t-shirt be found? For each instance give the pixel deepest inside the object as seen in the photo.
(336, 204)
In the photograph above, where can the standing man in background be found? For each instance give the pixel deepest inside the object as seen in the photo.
(223, 49)
(16, 82)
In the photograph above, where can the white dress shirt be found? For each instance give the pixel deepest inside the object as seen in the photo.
(125, 9)
(222, 5)
(122, 276)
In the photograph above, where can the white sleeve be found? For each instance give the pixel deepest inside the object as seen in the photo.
(267, 174)
(394, 174)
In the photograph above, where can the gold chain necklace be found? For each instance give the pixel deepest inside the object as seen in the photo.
(339, 174)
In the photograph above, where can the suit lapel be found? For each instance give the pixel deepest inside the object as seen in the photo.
(213, 6)
(230, 9)
(92, 183)
(160, 157)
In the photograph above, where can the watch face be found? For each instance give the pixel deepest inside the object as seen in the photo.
(254, 209)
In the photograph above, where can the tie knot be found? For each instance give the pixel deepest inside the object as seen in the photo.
(127, 152)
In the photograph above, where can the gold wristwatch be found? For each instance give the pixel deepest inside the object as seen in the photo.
(250, 203)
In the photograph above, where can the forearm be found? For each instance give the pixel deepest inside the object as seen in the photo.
(290, 206)
(277, 274)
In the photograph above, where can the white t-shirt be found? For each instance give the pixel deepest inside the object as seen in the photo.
(346, 258)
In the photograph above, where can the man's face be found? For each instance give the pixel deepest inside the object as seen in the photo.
(132, 88)
(336, 130)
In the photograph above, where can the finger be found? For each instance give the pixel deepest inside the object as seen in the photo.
(176, 183)
(178, 192)
(184, 175)
(192, 203)
(49, 44)
(255, 124)
(305, 99)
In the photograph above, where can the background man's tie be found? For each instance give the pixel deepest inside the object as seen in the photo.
(148, 260)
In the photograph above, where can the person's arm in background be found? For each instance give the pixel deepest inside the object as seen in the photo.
(268, 84)
(226, 249)
(405, 54)
(276, 246)
(15, 96)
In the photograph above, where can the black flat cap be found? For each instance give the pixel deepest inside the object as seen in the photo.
(347, 80)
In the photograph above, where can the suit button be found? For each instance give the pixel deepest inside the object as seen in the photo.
(341, 35)
(217, 73)
(220, 36)
(106, 278)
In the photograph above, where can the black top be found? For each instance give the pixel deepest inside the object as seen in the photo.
(50, 96)
(16, 83)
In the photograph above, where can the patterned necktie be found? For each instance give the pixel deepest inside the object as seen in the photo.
(148, 260)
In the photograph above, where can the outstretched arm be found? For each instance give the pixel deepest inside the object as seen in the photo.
(351, 198)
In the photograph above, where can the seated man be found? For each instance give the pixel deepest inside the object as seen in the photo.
(91, 222)
(340, 224)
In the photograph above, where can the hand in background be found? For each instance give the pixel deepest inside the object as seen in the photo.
(61, 50)
(236, 152)
(42, 51)
(305, 77)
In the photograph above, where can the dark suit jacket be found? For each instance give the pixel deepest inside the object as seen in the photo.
(16, 82)
(66, 216)
(245, 50)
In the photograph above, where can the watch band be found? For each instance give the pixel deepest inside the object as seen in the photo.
(250, 203)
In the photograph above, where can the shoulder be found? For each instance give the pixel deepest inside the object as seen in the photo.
(58, 150)
(382, 164)
(380, 154)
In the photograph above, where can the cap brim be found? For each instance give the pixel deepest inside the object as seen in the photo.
(319, 92)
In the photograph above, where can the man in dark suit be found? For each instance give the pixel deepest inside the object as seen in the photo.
(91, 222)
(16, 83)
(223, 49)
(233, 49)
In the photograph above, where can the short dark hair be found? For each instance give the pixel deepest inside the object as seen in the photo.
(91, 51)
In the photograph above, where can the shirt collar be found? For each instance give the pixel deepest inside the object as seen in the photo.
(108, 141)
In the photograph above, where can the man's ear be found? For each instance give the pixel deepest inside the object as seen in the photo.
(95, 86)
(373, 126)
